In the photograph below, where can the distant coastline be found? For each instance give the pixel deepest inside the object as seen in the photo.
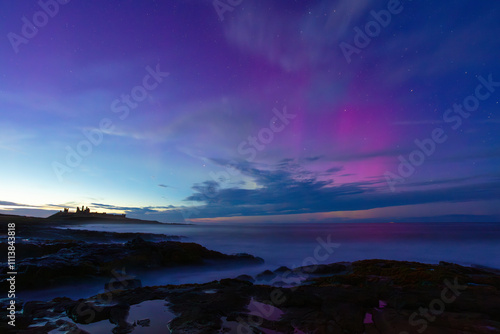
(66, 217)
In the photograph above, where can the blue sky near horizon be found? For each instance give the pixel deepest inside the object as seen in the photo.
(329, 131)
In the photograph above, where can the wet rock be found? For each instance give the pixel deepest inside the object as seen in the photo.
(118, 314)
(232, 283)
(86, 312)
(36, 309)
(266, 275)
(123, 328)
(322, 269)
(249, 257)
(246, 278)
(282, 270)
(138, 243)
(115, 284)
(143, 322)
(201, 313)
(38, 249)
(68, 327)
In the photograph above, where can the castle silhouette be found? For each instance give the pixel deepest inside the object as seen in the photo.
(87, 210)
(84, 212)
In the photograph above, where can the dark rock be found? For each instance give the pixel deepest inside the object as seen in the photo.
(86, 312)
(246, 278)
(68, 327)
(144, 322)
(445, 264)
(35, 309)
(118, 314)
(200, 312)
(249, 257)
(282, 270)
(322, 269)
(116, 284)
(123, 328)
(229, 282)
(138, 243)
(266, 275)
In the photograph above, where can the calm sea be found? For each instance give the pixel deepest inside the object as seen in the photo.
(290, 244)
(295, 245)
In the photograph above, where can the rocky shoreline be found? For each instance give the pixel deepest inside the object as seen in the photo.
(53, 263)
(370, 296)
(365, 297)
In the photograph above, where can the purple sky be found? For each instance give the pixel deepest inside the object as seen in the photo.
(281, 111)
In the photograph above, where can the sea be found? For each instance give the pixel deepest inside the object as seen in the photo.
(299, 244)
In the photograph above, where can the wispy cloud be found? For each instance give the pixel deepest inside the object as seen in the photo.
(282, 191)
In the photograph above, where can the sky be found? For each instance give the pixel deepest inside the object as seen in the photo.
(252, 111)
